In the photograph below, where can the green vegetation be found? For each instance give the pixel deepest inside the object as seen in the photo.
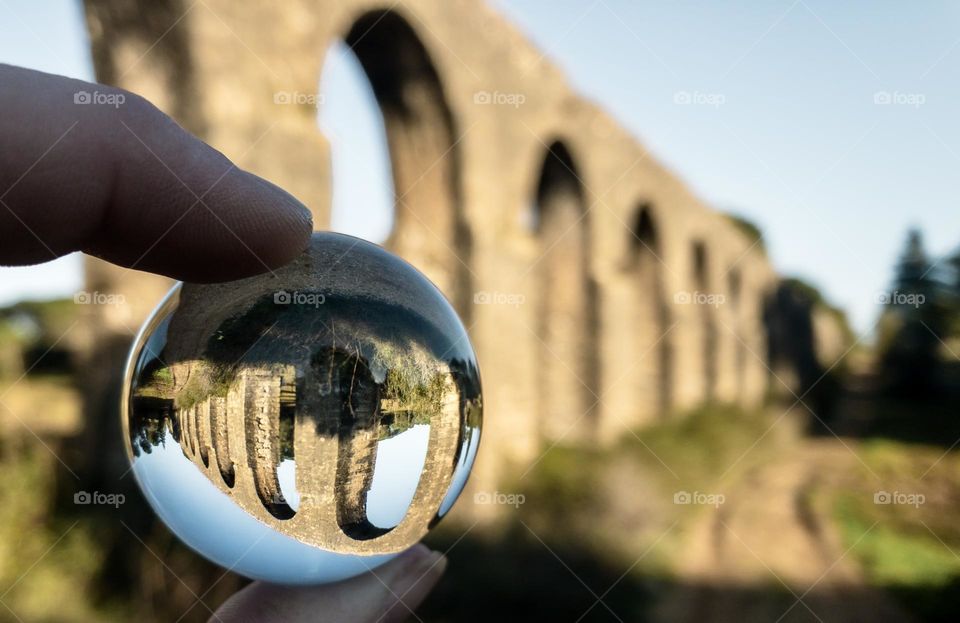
(405, 391)
(646, 469)
(593, 511)
(817, 300)
(701, 444)
(910, 550)
(894, 556)
(698, 447)
(47, 318)
(922, 313)
(34, 336)
(750, 229)
(48, 562)
(564, 480)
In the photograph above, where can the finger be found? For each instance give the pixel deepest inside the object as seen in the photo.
(84, 167)
(388, 594)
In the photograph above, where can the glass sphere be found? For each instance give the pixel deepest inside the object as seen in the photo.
(305, 425)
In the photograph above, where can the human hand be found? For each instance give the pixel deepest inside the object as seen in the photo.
(127, 184)
(387, 594)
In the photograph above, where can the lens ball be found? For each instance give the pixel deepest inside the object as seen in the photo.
(305, 425)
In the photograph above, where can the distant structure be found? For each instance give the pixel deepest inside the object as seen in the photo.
(616, 300)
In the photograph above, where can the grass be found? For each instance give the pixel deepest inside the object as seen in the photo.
(692, 450)
(912, 551)
(619, 500)
(892, 556)
(46, 564)
(60, 413)
(700, 446)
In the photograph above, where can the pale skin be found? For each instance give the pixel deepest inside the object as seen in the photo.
(127, 184)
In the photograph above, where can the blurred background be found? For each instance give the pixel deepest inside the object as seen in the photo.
(793, 193)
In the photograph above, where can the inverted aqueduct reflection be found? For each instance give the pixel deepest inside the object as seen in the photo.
(293, 393)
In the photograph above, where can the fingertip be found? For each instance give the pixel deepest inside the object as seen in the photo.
(181, 207)
(422, 570)
(271, 225)
(242, 227)
(126, 183)
(388, 593)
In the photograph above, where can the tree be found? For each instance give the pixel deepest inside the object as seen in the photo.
(911, 361)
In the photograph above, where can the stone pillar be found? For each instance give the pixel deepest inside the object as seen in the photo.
(727, 286)
(262, 423)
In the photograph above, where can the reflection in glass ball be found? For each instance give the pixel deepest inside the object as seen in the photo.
(305, 425)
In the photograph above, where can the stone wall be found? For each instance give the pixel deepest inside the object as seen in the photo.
(638, 301)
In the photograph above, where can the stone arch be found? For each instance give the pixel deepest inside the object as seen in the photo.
(567, 314)
(702, 298)
(430, 228)
(654, 357)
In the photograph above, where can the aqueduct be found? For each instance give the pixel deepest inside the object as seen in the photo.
(600, 294)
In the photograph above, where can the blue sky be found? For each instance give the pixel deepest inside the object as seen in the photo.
(787, 131)
(799, 144)
(49, 36)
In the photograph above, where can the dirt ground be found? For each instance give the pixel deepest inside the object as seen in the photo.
(770, 554)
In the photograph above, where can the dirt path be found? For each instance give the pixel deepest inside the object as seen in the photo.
(769, 555)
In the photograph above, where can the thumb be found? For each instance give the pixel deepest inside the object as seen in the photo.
(387, 594)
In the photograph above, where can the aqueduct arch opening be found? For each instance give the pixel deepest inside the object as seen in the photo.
(429, 227)
(567, 314)
(361, 189)
(652, 373)
(704, 307)
(423, 112)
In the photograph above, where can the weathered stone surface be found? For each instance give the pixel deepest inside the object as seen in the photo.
(604, 331)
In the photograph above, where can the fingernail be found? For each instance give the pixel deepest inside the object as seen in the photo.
(421, 566)
(414, 555)
(433, 561)
(285, 196)
(441, 564)
(419, 572)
